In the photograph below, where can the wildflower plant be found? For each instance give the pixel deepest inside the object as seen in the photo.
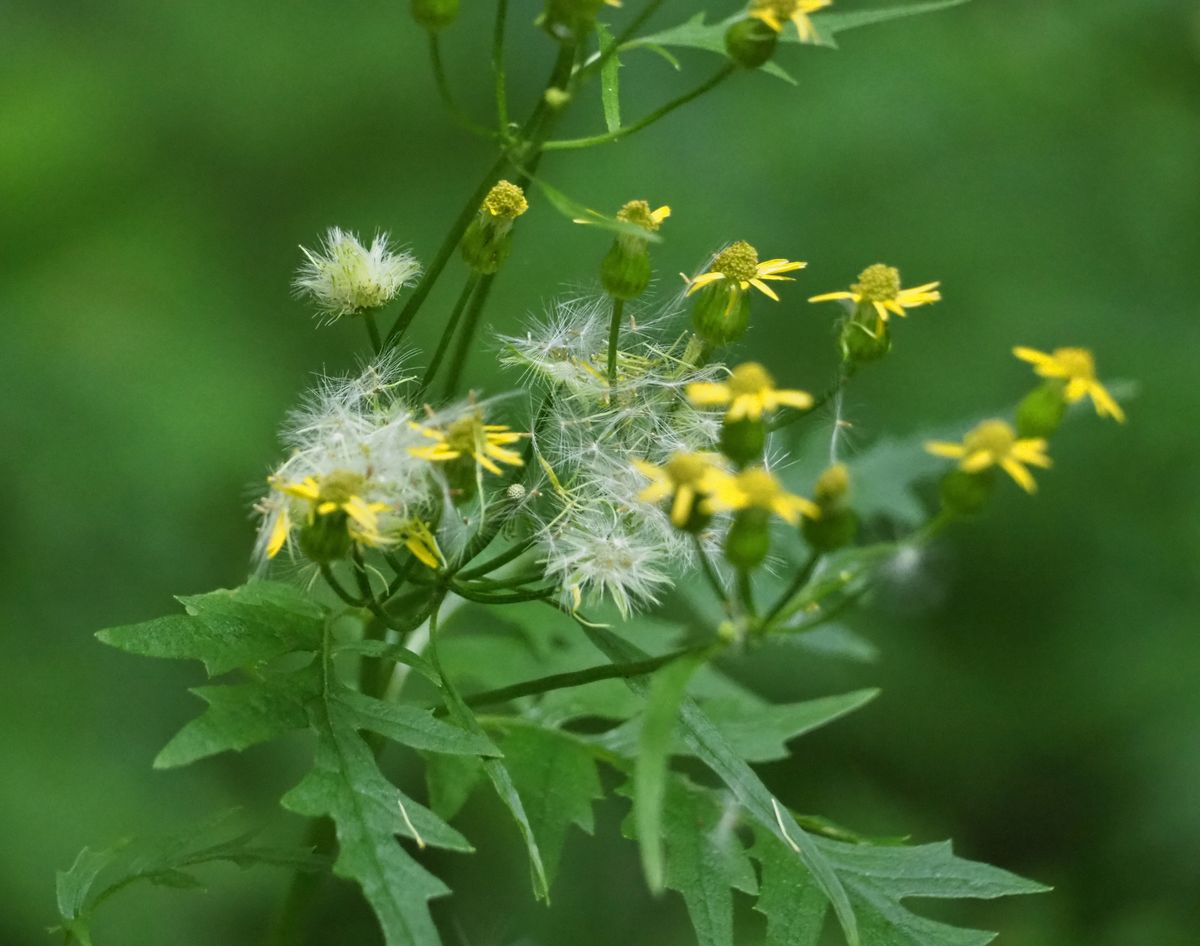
(637, 514)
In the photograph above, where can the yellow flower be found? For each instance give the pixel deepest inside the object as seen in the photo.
(638, 212)
(506, 201)
(486, 444)
(334, 493)
(739, 263)
(420, 541)
(777, 12)
(879, 285)
(756, 488)
(1077, 368)
(685, 477)
(995, 443)
(749, 392)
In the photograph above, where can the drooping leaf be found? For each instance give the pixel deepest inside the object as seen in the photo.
(578, 213)
(655, 742)
(164, 862)
(695, 33)
(228, 629)
(498, 775)
(381, 650)
(610, 91)
(707, 743)
(238, 717)
(555, 775)
(705, 860)
(410, 726)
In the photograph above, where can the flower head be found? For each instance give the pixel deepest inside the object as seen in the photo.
(749, 392)
(486, 444)
(1077, 368)
(337, 500)
(505, 200)
(739, 264)
(638, 213)
(879, 286)
(757, 488)
(995, 443)
(775, 13)
(685, 477)
(346, 278)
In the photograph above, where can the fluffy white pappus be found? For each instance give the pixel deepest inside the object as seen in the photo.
(344, 277)
(600, 556)
(561, 348)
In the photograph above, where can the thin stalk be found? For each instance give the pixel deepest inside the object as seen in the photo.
(745, 586)
(498, 66)
(595, 65)
(373, 331)
(467, 335)
(449, 244)
(796, 586)
(564, 144)
(496, 561)
(710, 573)
(576, 678)
(515, 597)
(332, 581)
(824, 398)
(614, 336)
(448, 333)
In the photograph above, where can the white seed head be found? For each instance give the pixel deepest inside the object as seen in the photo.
(346, 278)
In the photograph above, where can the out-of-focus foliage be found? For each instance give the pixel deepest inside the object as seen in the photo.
(160, 162)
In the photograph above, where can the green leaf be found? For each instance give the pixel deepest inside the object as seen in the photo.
(878, 879)
(451, 780)
(164, 862)
(654, 745)
(237, 717)
(410, 726)
(398, 653)
(756, 729)
(497, 774)
(610, 93)
(555, 775)
(228, 629)
(828, 24)
(706, 741)
(705, 859)
(578, 213)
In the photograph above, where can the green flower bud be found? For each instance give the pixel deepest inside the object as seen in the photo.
(749, 538)
(863, 342)
(721, 313)
(625, 273)
(435, 15)
(967, 493)
(750, 43)
(743, 440)
(570, 19)
(835, 529)
(1041, 411)
(326, 538)
(488, 242)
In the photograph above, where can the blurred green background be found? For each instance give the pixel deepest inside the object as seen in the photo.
(159, 164)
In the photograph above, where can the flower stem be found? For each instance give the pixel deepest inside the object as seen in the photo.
(614, 335)
(466, 336)
(595, 65)
(798, 583)
(443, 87)
(564, 144)
(373, 331)
(448, 333)
(498, 66)
(710, 573)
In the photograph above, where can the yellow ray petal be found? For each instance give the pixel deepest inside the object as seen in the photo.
(1022, 476)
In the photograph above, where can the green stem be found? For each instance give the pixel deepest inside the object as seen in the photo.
(824, 398)
(332, 581)
(621, 39)
(496, 561)
(614, 336)
(576, 678)
(626, 130)
(373, 331)
(797, 584)
(710, 573)
(448, 333)
(498, 65)
(466, 215)
(515, 597)
(302, 891)
(466, 336)
(746, 591)
(443, 87)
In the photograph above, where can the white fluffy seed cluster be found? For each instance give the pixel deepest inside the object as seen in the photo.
(361, 426)
(345, 277)
(598, 540)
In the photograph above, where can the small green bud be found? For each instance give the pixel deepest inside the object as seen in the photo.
(750, 42)
(1041, 411)
(749, 539)
(570, 19)
(435, 15)
(326, 539)
(485, 247)
(743, 440)
(721, 313)
(625, 271)
(967, 493)
(863, 342)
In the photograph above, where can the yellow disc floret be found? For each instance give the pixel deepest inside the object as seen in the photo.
(757, 488)
(686, 477)
(879, 286)
(506, 201)
(1077, 368)
(638, 212)
(738, 264)
(995, 443)
(750, 392)
(486, 444)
